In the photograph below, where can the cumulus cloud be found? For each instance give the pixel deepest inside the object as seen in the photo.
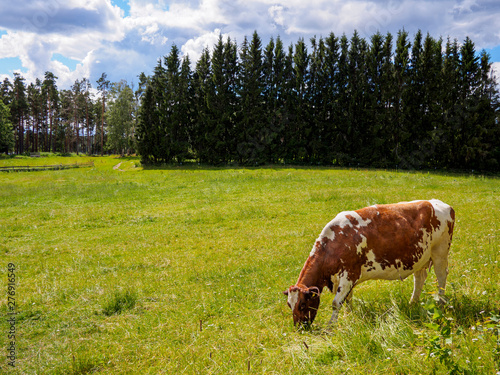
(195, 46)
(496, 70)
(58, 16)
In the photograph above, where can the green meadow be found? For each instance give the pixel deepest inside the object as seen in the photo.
(120, 269)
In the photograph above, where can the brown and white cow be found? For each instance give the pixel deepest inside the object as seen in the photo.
(389, 242)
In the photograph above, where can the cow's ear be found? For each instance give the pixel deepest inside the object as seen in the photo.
(285, 292)
(312, 292)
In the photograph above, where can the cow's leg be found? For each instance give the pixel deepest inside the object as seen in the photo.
(343, 290)
(440, 261)
(441, 270)
(419, 280)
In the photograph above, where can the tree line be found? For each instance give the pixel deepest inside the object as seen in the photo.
(41, 118)
(338, 101)
(420, 103)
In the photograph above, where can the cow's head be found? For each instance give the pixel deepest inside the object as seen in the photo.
(304, 303)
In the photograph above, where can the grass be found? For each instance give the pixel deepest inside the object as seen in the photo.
(181, 269)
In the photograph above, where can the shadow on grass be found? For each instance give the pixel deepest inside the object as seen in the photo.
(193, 165)
(464, 309)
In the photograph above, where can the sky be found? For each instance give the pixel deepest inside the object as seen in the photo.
(84, 38)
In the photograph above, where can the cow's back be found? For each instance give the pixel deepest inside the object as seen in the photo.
(389, 241)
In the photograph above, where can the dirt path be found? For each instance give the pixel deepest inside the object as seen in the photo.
(117, 167)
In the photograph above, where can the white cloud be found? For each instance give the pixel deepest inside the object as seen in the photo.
(195, 46)
(277, 14)
(496, 70)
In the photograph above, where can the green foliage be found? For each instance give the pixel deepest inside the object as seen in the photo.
(6, 130)
(120, 119)
(440, 345)
(445, 344)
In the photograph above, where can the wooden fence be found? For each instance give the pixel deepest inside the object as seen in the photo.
(30, 168)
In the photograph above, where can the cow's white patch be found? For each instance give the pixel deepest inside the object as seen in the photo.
(425, 242)
(362, 222)
(313, 250)
(361, 245)
(327, 231)
(442, 211)
(293, 297)
(375, 271)
(343, 221)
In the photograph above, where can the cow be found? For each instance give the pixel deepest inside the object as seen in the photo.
(385, 241)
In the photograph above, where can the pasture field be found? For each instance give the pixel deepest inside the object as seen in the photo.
(180, 270)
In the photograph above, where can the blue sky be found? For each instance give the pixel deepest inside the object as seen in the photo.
(84, 38)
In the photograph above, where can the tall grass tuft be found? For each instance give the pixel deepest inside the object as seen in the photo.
(119, 302)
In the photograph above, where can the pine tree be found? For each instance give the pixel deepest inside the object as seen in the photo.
(223, 101)
(432, 68)
(357, 88)
(319, 96)
(270, 103)
(330, 129)
(203, 93)
(6, 91)
(186, 113)
(251, 129)
(51, 95)
(103, 87)
(145, 136)
(35, 116)
(6, 129)
(377, 114)
(469, 130)
(278, 92)
(445, 139)
(413, 103)
(301, 128)
(18, 111)
(175, 146)
(401, 77)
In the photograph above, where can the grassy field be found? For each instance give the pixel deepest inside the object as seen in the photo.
(181, 270)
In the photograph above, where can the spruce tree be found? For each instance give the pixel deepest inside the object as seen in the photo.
(329, 142)
(203, 97)
(377, 115)
(301, 129)
(251, 131)
(357, 87)
(401, 135)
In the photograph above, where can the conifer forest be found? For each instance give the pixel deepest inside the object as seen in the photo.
(410, 102)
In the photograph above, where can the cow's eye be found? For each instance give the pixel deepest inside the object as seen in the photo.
(302, 306)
